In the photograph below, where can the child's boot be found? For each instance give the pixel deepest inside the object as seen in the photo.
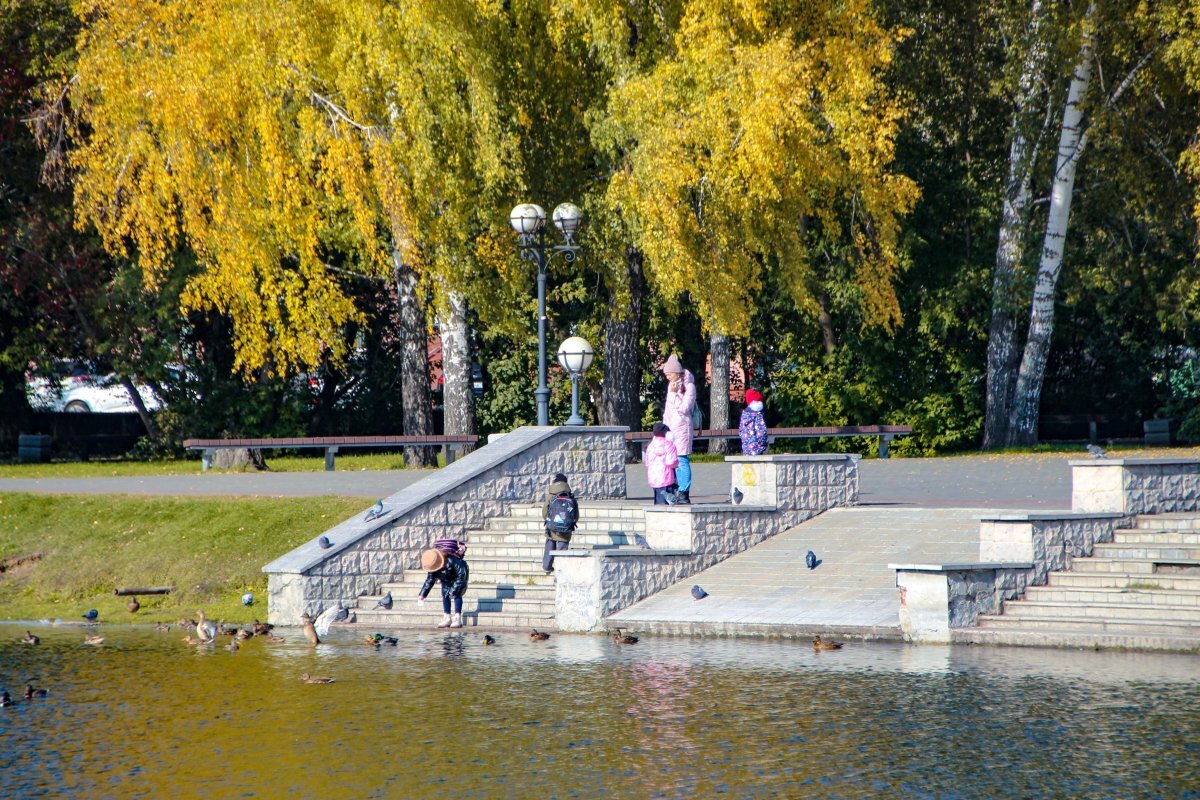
(456, 621)
(445, 623)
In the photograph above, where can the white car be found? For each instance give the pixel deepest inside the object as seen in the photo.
(83, 392)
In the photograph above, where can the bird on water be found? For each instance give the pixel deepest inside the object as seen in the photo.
(698, 593)
(31, 692)
(206, 629)
(310, 632)
(620, 638)
(5, 700)
(95, 641)
(825, 644)
(537, 636)
(390, 640)
(29, 638)
(306, 678)
(488, 639)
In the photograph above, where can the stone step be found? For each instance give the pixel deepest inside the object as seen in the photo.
(1134, 627)
(487, 539)
(501, 591)
(507, 605)
(1090, 640)
(1148, 566)
(592, 526)
(1126, 580)
(1078, 595)
(1161, 553)
(587, 510)
(1037, 609)
(1159, 537)
(471, 619)
(1168, 521)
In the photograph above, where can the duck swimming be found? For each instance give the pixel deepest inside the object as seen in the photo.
(537, 636)
(94, 640)
(825, 644)
(381, 639)
(205, 629)
(306, 678)
(29, 638)
(31, 692)
(310, 632)
(626, 639)
(5, 700)
(162, 627)
(232, 646)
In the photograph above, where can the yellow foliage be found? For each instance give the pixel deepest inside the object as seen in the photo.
(253, 131)
(762, 123)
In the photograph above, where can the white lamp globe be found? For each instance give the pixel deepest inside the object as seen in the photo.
(566, 218)
(575, 355)
(527, 218)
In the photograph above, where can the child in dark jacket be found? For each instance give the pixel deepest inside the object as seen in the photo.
(751, 428)
(453, 573)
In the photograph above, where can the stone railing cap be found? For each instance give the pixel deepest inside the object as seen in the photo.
(798, 457)
(1132, 462)
(964, 567)
(413, 496)
(1043, 516)
(699, 508)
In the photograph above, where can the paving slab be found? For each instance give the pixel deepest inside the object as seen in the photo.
(851, 589)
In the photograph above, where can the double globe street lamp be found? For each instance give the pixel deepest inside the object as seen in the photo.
(529, 221)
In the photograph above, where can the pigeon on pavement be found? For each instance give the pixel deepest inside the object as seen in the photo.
(810, 560)
(1096, 451)
(698, 593)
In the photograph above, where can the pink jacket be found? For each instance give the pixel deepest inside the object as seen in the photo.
(661, 460)
(677, 414)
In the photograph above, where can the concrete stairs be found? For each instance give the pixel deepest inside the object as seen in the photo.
(1139, 592)
(508, 588)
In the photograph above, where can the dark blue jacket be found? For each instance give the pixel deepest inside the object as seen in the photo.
(453, 576)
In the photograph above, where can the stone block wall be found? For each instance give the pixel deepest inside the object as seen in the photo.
(1136, 486)
(1016, 551)
(462, 496)
(685, 540)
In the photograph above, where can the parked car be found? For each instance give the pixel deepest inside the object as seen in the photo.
(75, 387)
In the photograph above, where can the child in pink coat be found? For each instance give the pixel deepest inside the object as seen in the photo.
(661, 459)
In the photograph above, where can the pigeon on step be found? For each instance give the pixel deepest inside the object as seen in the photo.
(640, 540)
(736, 496)
(385, 602)
(375, 512)
(343, 613)
(698, 593)
(325, 543)
(1096, 452)
(811, 560)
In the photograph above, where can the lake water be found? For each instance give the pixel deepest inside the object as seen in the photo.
(441, 715)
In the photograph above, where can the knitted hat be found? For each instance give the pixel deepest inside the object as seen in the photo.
(753, 395)
(432, 561)
(673, 365)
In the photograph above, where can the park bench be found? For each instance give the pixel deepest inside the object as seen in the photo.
(885, 434)
(450, 444)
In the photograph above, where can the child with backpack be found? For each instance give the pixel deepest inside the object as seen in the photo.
(661, 459)
(562, 515)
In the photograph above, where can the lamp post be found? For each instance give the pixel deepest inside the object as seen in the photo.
(575, 355)
(529, 221)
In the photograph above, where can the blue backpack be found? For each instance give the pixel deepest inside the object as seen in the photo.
(563, 514)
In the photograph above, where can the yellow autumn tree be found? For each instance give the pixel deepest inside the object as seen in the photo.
(764, 134)
(265, 135)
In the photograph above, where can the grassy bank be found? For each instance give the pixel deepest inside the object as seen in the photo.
(210, 549)
(187, 466)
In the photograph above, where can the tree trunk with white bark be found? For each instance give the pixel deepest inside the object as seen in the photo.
(457, 389)
(1002, 331)
(1027, 394)
(416, 402)
(718, 398)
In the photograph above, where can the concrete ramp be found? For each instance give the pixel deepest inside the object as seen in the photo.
(768, 590)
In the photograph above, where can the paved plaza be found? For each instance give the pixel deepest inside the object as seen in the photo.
(1032, 482)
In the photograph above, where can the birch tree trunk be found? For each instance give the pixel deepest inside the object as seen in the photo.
(718, 397)
(1002, 331)
(1027, 394)
(416, 403)
(622, 368)
(458, 391)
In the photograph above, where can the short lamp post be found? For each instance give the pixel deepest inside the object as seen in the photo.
(529, 221)
(575, 355)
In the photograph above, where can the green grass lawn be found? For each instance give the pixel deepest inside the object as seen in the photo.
(121, 467)
(210, 549)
